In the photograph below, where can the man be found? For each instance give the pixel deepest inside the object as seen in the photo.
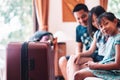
(67, 64)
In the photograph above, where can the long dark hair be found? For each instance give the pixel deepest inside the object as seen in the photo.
(98, 10)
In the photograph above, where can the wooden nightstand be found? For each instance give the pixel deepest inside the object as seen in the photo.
(61, 51)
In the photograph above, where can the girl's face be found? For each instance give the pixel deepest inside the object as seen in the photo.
(108, 27)
(94, 21)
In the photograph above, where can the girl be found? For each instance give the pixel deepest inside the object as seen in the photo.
(99, 39)
(109, 67)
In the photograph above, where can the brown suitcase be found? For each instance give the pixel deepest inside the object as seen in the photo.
(33, 63)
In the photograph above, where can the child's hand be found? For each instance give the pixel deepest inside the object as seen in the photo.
(92, 65)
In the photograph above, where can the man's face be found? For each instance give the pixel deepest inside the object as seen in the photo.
(81, 17)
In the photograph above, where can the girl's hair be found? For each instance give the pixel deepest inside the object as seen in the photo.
(108, 15)
(98, 10)
(79, 7)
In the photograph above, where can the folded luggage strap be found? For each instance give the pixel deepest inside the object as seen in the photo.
(24, 61)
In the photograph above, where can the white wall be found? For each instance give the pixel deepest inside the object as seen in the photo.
(91, 3)
(67, 28)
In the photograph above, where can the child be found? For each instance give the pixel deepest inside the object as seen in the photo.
(109, 67)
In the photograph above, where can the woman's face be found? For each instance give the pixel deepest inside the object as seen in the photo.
(94, 21)
(108, 27)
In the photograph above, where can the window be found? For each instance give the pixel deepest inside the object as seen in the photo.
(114, 7)
(15, 20)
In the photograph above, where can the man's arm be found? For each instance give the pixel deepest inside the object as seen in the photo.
(79, 47)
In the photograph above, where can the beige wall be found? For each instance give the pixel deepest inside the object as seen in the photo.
(66, 29)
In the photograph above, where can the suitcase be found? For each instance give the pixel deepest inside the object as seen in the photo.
(30, 61)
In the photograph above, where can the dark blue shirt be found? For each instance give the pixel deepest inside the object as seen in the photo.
(83, 36)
